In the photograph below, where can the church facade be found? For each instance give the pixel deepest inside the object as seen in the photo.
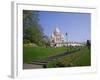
(58, 39)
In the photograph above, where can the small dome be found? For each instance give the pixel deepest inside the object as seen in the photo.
(57, 30)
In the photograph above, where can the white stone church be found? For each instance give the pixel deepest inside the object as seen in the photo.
(58, 39)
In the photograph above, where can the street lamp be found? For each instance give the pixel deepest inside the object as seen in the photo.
(67, 40)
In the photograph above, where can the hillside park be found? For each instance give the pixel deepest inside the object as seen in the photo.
(38, 53)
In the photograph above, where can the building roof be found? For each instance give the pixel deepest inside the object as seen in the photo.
(57, 30)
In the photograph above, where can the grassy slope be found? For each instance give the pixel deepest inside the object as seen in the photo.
(80, 58)
(85, 59)
(35, 53)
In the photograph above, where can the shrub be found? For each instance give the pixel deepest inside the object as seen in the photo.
(26, 41)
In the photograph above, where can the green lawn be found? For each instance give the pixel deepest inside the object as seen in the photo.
(84, 59)
(35, 53)
(80, 58)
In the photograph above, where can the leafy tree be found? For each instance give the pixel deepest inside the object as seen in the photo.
(32, 30)
(46, 41)
(88, 44)
(26, 41)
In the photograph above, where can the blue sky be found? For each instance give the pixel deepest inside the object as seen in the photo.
(77, 25)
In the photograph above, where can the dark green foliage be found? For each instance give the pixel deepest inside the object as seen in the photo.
(26, 41)
(88, 44)
(44, 66)
(59, 64)
(32, 30)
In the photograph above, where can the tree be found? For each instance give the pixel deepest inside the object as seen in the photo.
(67, 40)
(88, 44)
(46, 41)
(32, 30)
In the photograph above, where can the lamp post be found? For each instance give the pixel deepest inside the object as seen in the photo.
(67, 40)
